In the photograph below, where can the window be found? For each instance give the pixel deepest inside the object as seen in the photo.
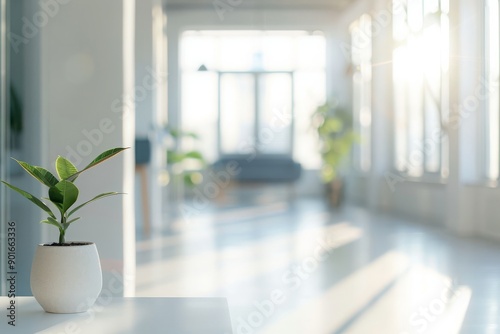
(361, 53)
(256, 113)
(255, 80)
(492, 65)
(420, 89)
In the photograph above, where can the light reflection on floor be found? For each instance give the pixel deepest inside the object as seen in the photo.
(345, 271)
(335, 306)
(205, 273)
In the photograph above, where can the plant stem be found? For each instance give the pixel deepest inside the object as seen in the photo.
(62, 231)
(61, 237)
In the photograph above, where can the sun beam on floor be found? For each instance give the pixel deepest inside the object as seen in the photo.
(204, 273)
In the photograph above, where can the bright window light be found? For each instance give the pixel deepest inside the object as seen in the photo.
(256, 80)
(361, 42)
(492, 121)
(420, 89)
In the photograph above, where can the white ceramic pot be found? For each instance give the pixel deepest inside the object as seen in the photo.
(66, 279)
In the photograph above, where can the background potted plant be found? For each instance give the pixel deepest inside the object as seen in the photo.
(185, 164)
(336, 136)
(66, 276)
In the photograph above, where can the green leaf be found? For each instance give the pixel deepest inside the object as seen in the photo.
(176, 134)
(105, 156)
(64, 193)
(53, 222)
(32, 198)
(188, 180)
(194, 155)
(65, 168)
(100, 158)
(174, 157)
(73, 220)
(39, 173)
(92, 200)
(190, 135)
(333, 125)
(59, 207)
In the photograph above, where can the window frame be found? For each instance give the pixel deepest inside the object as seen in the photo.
(485, 144)
(362, 102)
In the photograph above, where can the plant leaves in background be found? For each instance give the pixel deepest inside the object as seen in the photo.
(334, 127)
(180, 161)
(194, 155)
(177, 134)
(176, 157)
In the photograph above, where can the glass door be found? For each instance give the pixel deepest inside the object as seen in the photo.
(255, 113)
(275, 114)
(237, 113)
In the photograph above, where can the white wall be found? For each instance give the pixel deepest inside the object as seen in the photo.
(86, 62)
(144, 66)
(151, 91)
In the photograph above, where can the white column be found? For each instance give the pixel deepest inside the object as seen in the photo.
(87, 87)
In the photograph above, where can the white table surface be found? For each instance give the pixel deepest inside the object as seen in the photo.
(123, 316)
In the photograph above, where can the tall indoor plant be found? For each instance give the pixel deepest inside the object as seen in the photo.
(178, 160)
(337, 137)
(66, 276)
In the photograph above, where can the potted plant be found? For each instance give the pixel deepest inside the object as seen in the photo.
(66, 276)
(181, 162)
(336, 136)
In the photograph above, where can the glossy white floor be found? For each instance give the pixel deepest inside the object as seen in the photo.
(301, 268)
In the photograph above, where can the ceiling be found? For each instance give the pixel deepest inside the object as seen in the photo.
(260, 4)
